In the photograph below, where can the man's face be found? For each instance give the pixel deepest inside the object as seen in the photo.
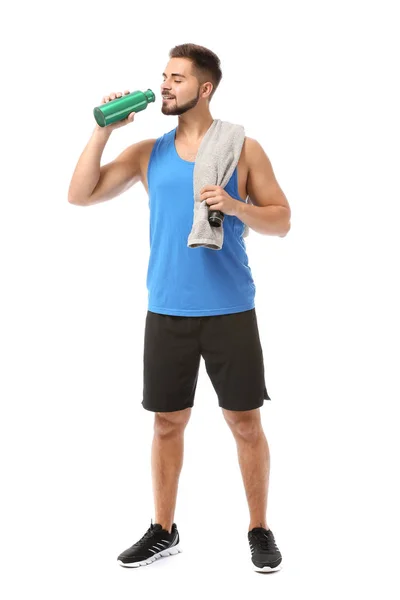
(179, 83)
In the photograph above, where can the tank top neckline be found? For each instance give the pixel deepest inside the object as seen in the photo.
(188, 162)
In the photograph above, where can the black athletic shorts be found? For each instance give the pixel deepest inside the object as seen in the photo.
(231, 348)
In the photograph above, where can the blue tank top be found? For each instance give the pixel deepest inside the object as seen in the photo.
(186, 281)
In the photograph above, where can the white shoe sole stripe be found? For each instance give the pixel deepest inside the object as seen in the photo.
(267, 569)
(168, 552)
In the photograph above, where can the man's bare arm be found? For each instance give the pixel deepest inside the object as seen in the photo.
(92, 183)
(87, 170)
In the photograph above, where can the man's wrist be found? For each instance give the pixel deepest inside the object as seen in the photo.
(239, 208)
(103, 132)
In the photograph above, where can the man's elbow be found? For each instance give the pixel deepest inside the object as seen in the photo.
(286, 230)
(75, 203)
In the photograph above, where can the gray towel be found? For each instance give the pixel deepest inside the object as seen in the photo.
(216, 160)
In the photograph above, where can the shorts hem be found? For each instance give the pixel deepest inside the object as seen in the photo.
(166, 409)
(242, 409)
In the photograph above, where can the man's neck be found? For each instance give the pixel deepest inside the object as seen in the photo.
(194, 130)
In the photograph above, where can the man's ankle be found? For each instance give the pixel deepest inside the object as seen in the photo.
(259, 524)
(166, 527)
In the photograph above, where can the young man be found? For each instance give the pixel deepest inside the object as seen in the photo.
(201, 301)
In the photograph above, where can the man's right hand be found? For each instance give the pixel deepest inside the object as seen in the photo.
(117, 124)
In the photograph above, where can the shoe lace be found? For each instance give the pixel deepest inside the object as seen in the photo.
(147, 535)
(265, 541)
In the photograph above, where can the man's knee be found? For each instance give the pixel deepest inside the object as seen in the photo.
(171, 422)
(246, 423)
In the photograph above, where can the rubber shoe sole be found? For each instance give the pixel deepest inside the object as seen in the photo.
(142, 563)
(274, 567)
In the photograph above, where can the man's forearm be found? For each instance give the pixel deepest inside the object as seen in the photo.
(87, 170)
(268, 220)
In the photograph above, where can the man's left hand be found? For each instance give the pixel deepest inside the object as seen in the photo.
(217, 198)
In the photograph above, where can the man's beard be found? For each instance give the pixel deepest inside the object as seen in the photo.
(173, 109)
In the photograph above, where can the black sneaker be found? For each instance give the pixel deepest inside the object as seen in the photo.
(155, 543)
(264, 551)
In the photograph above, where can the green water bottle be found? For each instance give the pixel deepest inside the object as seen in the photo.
(119, 108)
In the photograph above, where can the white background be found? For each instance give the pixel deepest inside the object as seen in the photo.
(316, 83)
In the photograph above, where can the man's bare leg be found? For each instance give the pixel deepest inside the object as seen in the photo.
(166, 462)
(254, 461)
